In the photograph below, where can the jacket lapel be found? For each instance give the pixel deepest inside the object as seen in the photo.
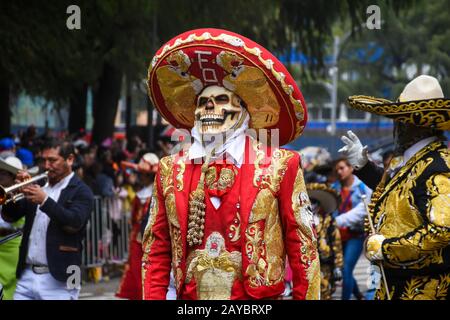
(182, 174)
(248, 190)
(403, 172)
(66, 191)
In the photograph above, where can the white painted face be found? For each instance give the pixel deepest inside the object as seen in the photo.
(218, 110)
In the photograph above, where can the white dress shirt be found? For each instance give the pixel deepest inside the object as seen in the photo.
(37, 244)
(411, 151)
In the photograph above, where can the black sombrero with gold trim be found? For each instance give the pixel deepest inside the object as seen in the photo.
(421, 103)
(328, 198)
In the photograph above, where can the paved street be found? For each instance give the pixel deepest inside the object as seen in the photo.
(101, 291)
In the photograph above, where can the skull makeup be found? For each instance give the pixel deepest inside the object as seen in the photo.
(218, 110)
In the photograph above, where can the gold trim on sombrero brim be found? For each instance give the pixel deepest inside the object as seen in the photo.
(234, 41)
(433, 113)
(271, 95)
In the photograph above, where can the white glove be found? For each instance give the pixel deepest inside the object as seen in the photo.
(354, 151)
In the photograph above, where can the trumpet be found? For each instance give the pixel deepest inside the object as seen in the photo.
(13, 194)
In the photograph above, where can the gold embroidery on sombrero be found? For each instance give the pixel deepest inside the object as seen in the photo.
(263, 117)
(177, 87)
(251, 85)
(428, 113)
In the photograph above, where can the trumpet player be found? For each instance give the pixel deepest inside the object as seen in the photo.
(55, 220)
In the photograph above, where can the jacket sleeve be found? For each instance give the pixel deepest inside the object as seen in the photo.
(14, 211)
(353, 217)
(300, 237)
(156, 260)
(75, 214)
(370, 174)
(434, 234)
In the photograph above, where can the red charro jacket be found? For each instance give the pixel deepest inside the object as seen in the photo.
(275, 221)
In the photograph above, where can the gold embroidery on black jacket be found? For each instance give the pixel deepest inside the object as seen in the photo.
(413, 213)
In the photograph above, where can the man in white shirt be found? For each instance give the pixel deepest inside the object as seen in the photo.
(55, 220)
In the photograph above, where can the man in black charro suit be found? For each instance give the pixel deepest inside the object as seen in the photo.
(410, 207)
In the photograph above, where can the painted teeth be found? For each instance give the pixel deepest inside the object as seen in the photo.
(211, 117)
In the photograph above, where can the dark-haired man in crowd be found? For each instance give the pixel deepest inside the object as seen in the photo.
(55, 220)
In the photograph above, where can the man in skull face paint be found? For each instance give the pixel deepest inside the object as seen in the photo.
(225, 213)
(410, 207)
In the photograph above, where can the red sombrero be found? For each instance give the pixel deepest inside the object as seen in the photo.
(200, 58)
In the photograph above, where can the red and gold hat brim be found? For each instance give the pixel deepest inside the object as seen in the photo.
(431, 113)
(196, 59)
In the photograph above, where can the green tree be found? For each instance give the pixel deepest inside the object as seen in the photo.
(118, 38)
(408, 45)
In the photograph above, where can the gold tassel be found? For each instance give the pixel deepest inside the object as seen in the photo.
(196, 222)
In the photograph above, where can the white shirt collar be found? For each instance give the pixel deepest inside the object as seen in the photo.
(233, 147)
(411, 151)
(63, 183)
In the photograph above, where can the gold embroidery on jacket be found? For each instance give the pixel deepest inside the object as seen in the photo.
(181, 168)
(177, 253)
(254, 250)
(277, 169)
(399, 175)
(308, 242)
(214, 269)
(226, 178)
(235, 229)
(260, 156)
(168, 190)
(166, 172)
(149, 238)
(265, 249)
(400, 215)
(426, 288)
(439, 205)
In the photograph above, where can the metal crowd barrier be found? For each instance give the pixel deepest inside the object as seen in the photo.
(106, 240)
